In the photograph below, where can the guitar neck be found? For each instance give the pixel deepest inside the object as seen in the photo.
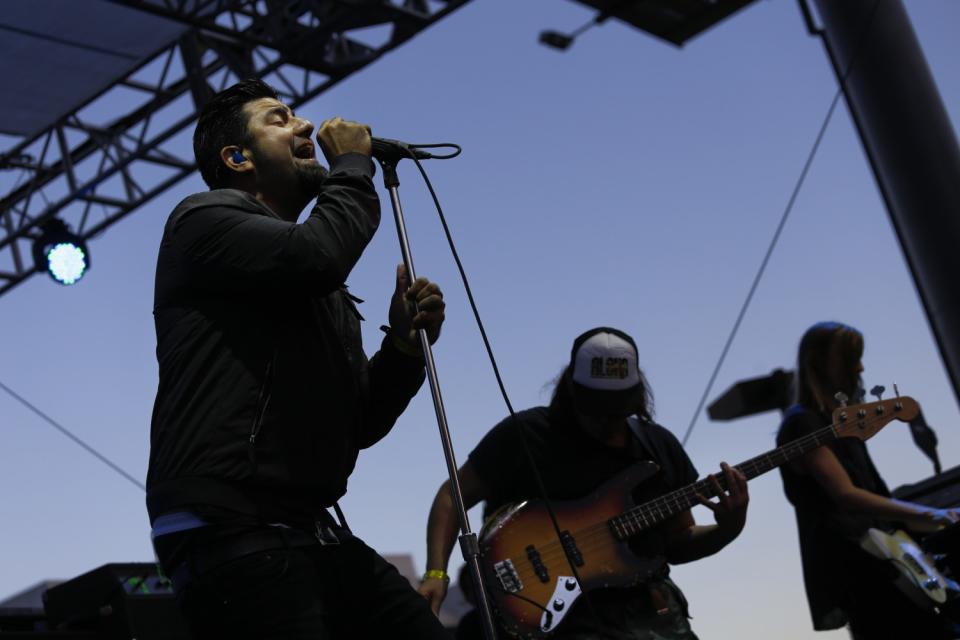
(656, 511)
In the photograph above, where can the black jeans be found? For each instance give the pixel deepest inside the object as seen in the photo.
(630, 614)
(343, 591)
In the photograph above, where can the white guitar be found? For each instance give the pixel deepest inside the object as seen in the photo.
(919, 577)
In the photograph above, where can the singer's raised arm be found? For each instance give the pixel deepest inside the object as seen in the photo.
(219, 245)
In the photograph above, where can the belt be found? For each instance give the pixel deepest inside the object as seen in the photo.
(200, 561)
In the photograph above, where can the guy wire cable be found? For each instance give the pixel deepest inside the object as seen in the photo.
(786, 212)
(99, 456)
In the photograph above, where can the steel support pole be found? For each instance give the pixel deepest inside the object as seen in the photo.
(911, 146)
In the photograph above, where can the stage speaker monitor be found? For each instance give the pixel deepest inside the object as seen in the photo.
(129, 600)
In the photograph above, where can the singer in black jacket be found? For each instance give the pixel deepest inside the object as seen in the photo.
(265, 395)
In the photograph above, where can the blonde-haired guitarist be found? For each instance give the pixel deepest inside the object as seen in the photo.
(838, 495)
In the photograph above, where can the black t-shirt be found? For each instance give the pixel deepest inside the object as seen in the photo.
(833, 563)
(572, 464)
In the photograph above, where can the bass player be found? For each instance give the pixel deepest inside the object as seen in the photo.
(598, 424)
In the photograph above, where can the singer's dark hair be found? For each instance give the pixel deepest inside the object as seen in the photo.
(223, 122)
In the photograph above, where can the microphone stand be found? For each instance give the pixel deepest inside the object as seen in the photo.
(469, 546)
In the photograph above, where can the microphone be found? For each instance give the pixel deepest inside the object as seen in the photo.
(388, 150)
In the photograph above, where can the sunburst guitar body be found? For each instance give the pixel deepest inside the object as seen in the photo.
(528, 574)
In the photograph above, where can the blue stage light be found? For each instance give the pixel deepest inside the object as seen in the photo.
(66, 262)
(60, 252)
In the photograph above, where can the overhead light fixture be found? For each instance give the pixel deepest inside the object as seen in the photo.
(60, 252)
(556, 40)
(562, 41)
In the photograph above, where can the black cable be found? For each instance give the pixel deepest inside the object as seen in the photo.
(503, 391)
(780, 226)
(600, 18)
(466, 286)
(99, 456)
(457, 150)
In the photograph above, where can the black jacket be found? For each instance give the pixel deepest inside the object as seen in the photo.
(265, 394)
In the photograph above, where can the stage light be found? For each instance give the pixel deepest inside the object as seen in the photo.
(60, 252)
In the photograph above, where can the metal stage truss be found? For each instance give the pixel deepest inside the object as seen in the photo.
(92, 165)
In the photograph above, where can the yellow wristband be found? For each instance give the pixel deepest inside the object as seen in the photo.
(437, 574)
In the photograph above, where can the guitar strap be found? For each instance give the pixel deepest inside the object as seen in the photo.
(341, 517)
(643, 437)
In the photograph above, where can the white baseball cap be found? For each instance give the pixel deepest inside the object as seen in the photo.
(604, 374)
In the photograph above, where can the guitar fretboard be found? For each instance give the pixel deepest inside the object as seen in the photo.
(656, 511)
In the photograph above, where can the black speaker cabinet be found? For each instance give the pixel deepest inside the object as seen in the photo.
(118, 601)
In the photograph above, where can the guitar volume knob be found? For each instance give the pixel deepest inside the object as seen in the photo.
(558, 604)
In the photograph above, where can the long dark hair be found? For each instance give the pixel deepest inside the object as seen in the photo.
(562, 409)
(828, 356)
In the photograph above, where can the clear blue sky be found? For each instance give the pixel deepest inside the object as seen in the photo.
(624, 182)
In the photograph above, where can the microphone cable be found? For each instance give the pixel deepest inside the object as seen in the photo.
(538, 478)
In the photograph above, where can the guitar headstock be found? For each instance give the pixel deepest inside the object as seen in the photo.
(864, 420)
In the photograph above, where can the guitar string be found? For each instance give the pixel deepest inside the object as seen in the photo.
(640, 515)
(596, 536)
(671, 503)
(590, 538)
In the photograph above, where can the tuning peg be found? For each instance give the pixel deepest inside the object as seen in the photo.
(841, 397)
(896, 391)
(877, 391)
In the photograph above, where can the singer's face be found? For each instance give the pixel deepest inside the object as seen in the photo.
(284, 155)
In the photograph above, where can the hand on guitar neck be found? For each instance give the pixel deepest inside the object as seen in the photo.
(690, 541)
(730, 510)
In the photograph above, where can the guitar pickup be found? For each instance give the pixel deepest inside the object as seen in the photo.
(508, 576)
(538, 567)
(570, 547)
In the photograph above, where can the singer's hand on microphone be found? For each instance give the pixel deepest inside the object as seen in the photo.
(415, 306)
(337, 136)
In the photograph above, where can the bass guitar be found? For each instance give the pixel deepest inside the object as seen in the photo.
(527, 567)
